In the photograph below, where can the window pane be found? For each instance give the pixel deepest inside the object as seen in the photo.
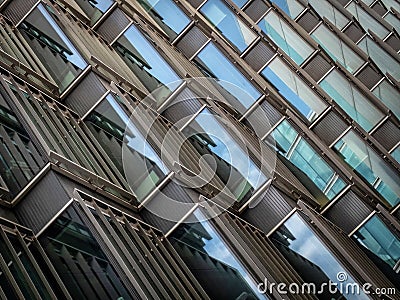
(351, 100)
(294, 89)
(148, 65)
(285, 37)
(393, 20)
(127, 147)
(370, 166)
(337, 49)
(384, 61)
(324, 8)
(211, 260)
(396, 154)
(291, 7)
(304, 157)
(94, 9)
(214, 64)
(367, 21)
(310, 257)
(53, 48)
(217, 145)
(240, 3)
(389, 96)
(167, 15)
(228, 24)
(376, 237)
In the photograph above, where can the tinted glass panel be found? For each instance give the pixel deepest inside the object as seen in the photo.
(214, 64)
(167, 15)
(324, 8)
(351, 100)
(370, 166)
(291, 7)
(52, 47)
(233, 165)
(228, 24)
(389, 96)
(126, 146)
(292, 146)
(94, 9)
(211, 260)
(285, 37)
(294, 89)
(148, 65)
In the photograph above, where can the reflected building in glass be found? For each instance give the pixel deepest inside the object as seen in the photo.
(217, 149)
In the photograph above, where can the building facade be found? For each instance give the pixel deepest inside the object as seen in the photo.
(216, 149)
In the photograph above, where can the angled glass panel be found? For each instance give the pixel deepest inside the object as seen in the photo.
(240, 3)
(376, 237)
(389, 96)
(294, 148)
(214, 64)
(370, 166)
(296, 91)
(311, 258)
(220, 147)
(145, 61)
(366, 20)
(351, 100)
(285, 37)
(94, 9)
(126, 146)
(79, 259)
(326, 9)
(384, 61)
(396, 154)
(55, 51)
(212, 261)
(167, 15)
(337, 49)
(228, 24)
(393, 20)
(291, 7)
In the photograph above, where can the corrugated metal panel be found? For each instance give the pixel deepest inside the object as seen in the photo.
(354, 32)
(330, 127)
(308, 21)
(113, 25)
(348, 212)
(42, 202)
(196, 3)
(273, 207)
(394, 42)
(17, 9)
(256, 9)
(161, 201)
(182, 110)
(263, 118)
(379, 8)
(388, 135)
(369, 76)
(192, 41)
(317, 67)
(86, 94)
(259, 55)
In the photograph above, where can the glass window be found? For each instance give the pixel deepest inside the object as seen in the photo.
(384, 61)
(228, 24)
(310, 257)
(285, 37)
(389, 96)
(291, 7)
(218, 147)
(126, 146)
(296, 91)
(351, 100)
(367, 21)
(148, 65)
(79, 260)
(52, 47)
(294, 148)
(392, 3)
(214, 64)
(396, 154)
(370, 166)
(376, 237)
(393, 20)
(94, 9)
(240, 3)
(337, 49)
(211, 260)
(167, 15)
(324, 8)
